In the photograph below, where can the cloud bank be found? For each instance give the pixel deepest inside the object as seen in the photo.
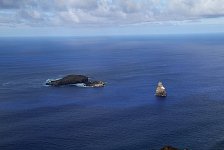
(105, 12)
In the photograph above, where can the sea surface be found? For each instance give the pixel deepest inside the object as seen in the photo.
(125, 114)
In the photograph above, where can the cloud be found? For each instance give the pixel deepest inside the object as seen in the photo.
(76, 4)
(105, 12)
(196, 9)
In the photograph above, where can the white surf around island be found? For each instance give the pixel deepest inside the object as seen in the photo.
(49, 80)
(82, 85)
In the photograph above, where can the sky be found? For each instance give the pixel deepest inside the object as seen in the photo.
(110, 17)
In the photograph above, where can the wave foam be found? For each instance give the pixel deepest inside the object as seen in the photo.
(80, 85)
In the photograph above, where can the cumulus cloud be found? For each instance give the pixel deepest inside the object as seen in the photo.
(105, 12)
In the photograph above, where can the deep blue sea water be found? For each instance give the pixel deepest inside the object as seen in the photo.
(125, 114)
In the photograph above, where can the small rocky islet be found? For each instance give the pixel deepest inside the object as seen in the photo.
(75, 80)
(160, 90)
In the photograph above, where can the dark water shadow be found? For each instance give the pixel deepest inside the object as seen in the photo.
(160, 98)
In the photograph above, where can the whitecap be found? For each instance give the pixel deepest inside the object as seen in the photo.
(5, 84)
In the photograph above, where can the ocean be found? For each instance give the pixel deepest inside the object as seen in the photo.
(123, 115)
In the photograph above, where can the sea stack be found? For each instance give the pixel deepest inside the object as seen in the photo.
(160, 90)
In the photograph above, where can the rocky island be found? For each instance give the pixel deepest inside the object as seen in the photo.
(79, 80)
(160, 90)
